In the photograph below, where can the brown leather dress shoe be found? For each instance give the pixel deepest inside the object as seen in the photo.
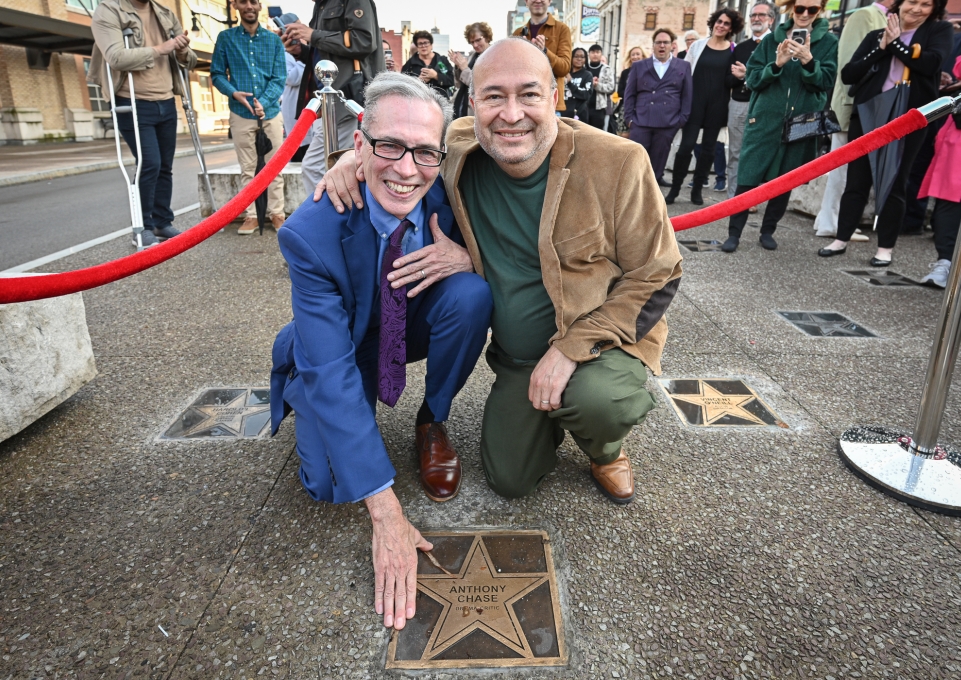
(616, 479)
(277, 221)
(439, 464)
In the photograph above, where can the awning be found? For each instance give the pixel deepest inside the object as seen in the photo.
(43, 33)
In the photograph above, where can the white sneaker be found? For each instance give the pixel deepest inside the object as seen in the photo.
(938, 276)
(858, 237)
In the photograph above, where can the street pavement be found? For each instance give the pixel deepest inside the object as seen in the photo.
(749, 553)
(39, 218)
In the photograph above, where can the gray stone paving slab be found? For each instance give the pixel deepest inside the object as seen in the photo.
(746, 554)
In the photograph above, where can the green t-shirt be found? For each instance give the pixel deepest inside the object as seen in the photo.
(505, 214)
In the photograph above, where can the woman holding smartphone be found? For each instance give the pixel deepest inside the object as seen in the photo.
(790, 73)
(580, 82)
(917, 39)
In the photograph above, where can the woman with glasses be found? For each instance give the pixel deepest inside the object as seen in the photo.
(790, 73)
(710, 60)
(428, 66)
(915, 43)
(580, 82)
(480, 36)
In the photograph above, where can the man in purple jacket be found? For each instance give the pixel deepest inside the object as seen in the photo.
(657, 101)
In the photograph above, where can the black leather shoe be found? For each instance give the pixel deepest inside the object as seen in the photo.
(661, 182)
(767, 242)
(671, 196)
(828, 252)
(875, 262)
(730, 245)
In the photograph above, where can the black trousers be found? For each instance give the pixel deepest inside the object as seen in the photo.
(775, 210)
(859, 183)
(916, 209)
(596, 118)
(682, 161)
(945, 220)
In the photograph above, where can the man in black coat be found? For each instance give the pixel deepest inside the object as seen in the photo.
(344, 32)
(429, 66)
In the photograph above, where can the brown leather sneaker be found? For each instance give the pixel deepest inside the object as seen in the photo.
(249, 226)
(277, 221)
(439, 464)
(616, 479)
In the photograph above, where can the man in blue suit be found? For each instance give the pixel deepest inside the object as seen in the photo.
(657, 101)
(356, 324)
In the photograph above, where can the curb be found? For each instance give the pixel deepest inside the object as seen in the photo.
(94, 167)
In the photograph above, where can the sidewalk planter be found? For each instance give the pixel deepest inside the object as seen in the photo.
(45, 358)
(21, 126)
(226, 184)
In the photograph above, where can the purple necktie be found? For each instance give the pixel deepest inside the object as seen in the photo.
(392, 354)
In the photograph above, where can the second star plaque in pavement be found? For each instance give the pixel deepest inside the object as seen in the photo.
(484, 600)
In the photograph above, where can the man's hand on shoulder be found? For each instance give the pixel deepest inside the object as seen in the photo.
(430, 264)
(342, 183)
(549, 380)
(394, 546)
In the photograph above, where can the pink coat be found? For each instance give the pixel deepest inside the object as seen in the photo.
(943, 179)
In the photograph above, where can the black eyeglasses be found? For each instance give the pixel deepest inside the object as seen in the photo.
(810, 9)
(392, 151)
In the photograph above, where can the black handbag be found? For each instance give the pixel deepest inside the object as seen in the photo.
(808, 125)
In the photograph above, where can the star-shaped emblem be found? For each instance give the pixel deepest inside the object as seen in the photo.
(228, 417)
(716, 405)
(478, 598)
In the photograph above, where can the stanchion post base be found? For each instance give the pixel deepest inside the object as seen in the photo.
(875, 455)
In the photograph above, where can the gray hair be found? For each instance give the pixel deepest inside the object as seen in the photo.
(769, 5)
(692, 34)
(393, 84)
(470, 89)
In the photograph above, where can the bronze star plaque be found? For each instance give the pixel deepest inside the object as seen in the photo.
(484, 599)
(719, 403)
(230, 412)
(827, 325)
(702, 246)
(881, 277)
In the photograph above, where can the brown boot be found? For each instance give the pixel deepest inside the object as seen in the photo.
(616, 479)
(439, 464)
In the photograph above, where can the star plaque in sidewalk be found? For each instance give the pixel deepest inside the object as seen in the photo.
(484, 600)
(719, 403)
(224, 413)
(827, 325)
(881, 277)
(702, 246)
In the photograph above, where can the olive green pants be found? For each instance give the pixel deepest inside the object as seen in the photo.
(604, 399)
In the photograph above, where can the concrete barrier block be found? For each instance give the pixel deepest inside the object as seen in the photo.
(45, 358)
(226, 184)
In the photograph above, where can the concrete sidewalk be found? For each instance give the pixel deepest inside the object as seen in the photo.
(21, 164)
(749, 552)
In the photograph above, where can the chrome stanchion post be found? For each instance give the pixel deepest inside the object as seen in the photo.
(914, 468)
(133, 187)
(326, 72)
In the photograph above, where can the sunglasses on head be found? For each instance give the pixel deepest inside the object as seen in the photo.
(810, 9)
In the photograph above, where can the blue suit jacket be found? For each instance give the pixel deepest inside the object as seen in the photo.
(655, 102)
(333, 271)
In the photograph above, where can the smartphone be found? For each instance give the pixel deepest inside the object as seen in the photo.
(799, 35)
(388, 54)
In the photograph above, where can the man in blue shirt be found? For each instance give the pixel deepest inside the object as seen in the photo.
(248, 67)
(356, 326)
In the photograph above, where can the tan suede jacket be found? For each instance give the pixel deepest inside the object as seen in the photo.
(608, 254)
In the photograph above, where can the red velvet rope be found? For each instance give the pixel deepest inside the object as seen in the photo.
(896, 129)
(26, 288)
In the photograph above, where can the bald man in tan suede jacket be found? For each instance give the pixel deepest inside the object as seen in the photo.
(569, 228)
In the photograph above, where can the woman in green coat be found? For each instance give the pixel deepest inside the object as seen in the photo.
(787, 77)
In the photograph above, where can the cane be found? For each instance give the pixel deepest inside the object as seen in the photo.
(191, 115)
(133, 187)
